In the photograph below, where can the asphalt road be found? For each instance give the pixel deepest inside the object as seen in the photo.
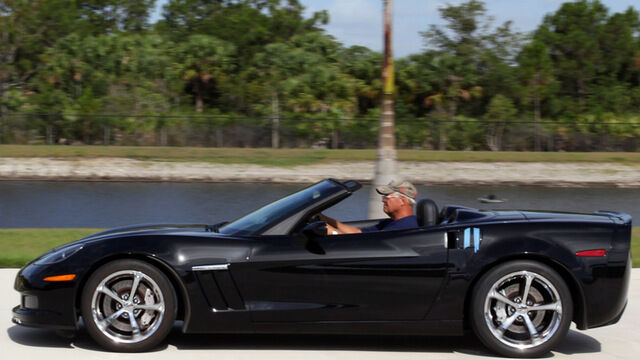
(620, 341)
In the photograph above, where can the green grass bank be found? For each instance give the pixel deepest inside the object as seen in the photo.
(293, 157)
(18, 246)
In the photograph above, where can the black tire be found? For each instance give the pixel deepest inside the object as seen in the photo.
(108, 320)
(505, 325)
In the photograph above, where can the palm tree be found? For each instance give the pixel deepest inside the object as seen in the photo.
(386, 159)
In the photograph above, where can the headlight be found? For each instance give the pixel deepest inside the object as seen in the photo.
(58, 255)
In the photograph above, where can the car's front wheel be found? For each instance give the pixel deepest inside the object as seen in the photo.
(128, 305)
(521, 309)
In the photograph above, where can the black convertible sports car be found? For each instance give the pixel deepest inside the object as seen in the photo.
(517, 278)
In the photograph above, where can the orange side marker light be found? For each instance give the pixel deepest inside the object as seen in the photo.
(67, 277)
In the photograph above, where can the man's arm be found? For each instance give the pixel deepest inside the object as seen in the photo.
(333, 224)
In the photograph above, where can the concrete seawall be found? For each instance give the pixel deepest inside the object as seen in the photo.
(462, 173)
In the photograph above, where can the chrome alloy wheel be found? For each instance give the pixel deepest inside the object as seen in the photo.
(523, 309)
(127, 306)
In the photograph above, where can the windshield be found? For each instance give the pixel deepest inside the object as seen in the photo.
(279, 210)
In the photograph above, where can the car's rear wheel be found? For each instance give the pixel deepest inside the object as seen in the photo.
(521, 309)
(128, 305)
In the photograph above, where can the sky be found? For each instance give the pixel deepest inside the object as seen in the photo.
(359, 22)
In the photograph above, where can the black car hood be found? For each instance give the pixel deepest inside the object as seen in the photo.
(136, 230)
(143, 229)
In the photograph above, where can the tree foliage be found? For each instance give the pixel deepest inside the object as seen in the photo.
(270, 58)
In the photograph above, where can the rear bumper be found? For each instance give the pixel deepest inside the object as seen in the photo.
(607, 293)
(617, 318)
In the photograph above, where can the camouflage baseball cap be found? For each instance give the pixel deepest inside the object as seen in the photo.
(400, 186)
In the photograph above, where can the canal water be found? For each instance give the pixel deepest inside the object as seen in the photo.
(109, 204)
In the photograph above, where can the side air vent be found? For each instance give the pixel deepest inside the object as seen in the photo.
(218, 287)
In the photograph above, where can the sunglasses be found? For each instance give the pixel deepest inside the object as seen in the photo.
(398, 195)
(391, 196)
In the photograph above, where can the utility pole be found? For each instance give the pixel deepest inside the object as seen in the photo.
(386, 159)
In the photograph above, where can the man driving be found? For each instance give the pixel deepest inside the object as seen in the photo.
(398, 198)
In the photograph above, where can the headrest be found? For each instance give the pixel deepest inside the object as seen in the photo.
(427, 212)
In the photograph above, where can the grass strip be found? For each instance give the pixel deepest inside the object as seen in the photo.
(635, 246)
(19, 246)
(293, 157)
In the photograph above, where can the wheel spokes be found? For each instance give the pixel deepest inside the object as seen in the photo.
(527, 285)
(105, 290)
(498, 296)
(134, 287)
(535, 337)
(133, 317)
(103, 324)
(554, 306)
(150, 307)
(507, 323)
(135, 328)
(515, 310)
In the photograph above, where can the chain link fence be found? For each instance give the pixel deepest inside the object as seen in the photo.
(305, 132)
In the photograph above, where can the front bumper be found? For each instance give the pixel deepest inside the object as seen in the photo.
(44, 304)
(42, 319)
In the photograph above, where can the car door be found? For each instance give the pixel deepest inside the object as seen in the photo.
(387, 275)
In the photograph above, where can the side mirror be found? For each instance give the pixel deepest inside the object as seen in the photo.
(316, 228)
(308, 235)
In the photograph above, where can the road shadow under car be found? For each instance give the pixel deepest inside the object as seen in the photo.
(575, 343)
(46, 338)
(315, 342)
